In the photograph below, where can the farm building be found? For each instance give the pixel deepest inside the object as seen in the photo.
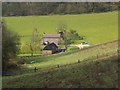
(51, 38)
(50, 49)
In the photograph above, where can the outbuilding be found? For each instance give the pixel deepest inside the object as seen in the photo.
(50, 49)
(51, 38)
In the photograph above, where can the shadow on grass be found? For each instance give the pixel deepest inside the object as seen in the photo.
(101, 73)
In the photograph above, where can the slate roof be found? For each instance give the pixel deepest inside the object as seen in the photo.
(51, 46)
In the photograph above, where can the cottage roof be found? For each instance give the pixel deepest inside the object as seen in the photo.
(51, 35)
(50, 46)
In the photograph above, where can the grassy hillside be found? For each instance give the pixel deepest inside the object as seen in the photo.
(61, 59)
(97, 28)
(72, 57)
(98, 67)
(101, 73)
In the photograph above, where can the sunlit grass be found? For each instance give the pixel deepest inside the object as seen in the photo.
(97, 28)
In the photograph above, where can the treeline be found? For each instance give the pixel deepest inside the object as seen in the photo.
(50, 8)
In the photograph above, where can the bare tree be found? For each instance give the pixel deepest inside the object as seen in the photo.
(34, 41)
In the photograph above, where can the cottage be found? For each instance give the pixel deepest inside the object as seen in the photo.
(51, 38)
(50, 49)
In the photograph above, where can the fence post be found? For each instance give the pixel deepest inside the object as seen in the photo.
(35, 69)
(78, 61)
(58, 66)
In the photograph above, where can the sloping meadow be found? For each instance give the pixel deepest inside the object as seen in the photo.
(96, 27)
(96, 70)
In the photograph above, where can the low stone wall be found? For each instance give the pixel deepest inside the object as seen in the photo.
(47, 52)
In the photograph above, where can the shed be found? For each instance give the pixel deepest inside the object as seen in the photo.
(50, 49)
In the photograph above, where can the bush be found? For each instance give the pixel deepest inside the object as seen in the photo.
(72, 48)
(10, 47)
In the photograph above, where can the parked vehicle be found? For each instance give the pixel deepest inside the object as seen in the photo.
(84, 44)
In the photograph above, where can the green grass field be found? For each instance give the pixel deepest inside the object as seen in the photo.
(72, 57)
(97, 28)
(98, 64)
(101, 73)
(97, 68)
(52, 61)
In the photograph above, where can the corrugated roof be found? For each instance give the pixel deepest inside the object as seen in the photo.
(51, 35)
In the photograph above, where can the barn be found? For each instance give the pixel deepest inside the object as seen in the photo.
(50, 49)
(51, 38)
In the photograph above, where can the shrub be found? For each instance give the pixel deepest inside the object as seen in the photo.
(10, 47)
